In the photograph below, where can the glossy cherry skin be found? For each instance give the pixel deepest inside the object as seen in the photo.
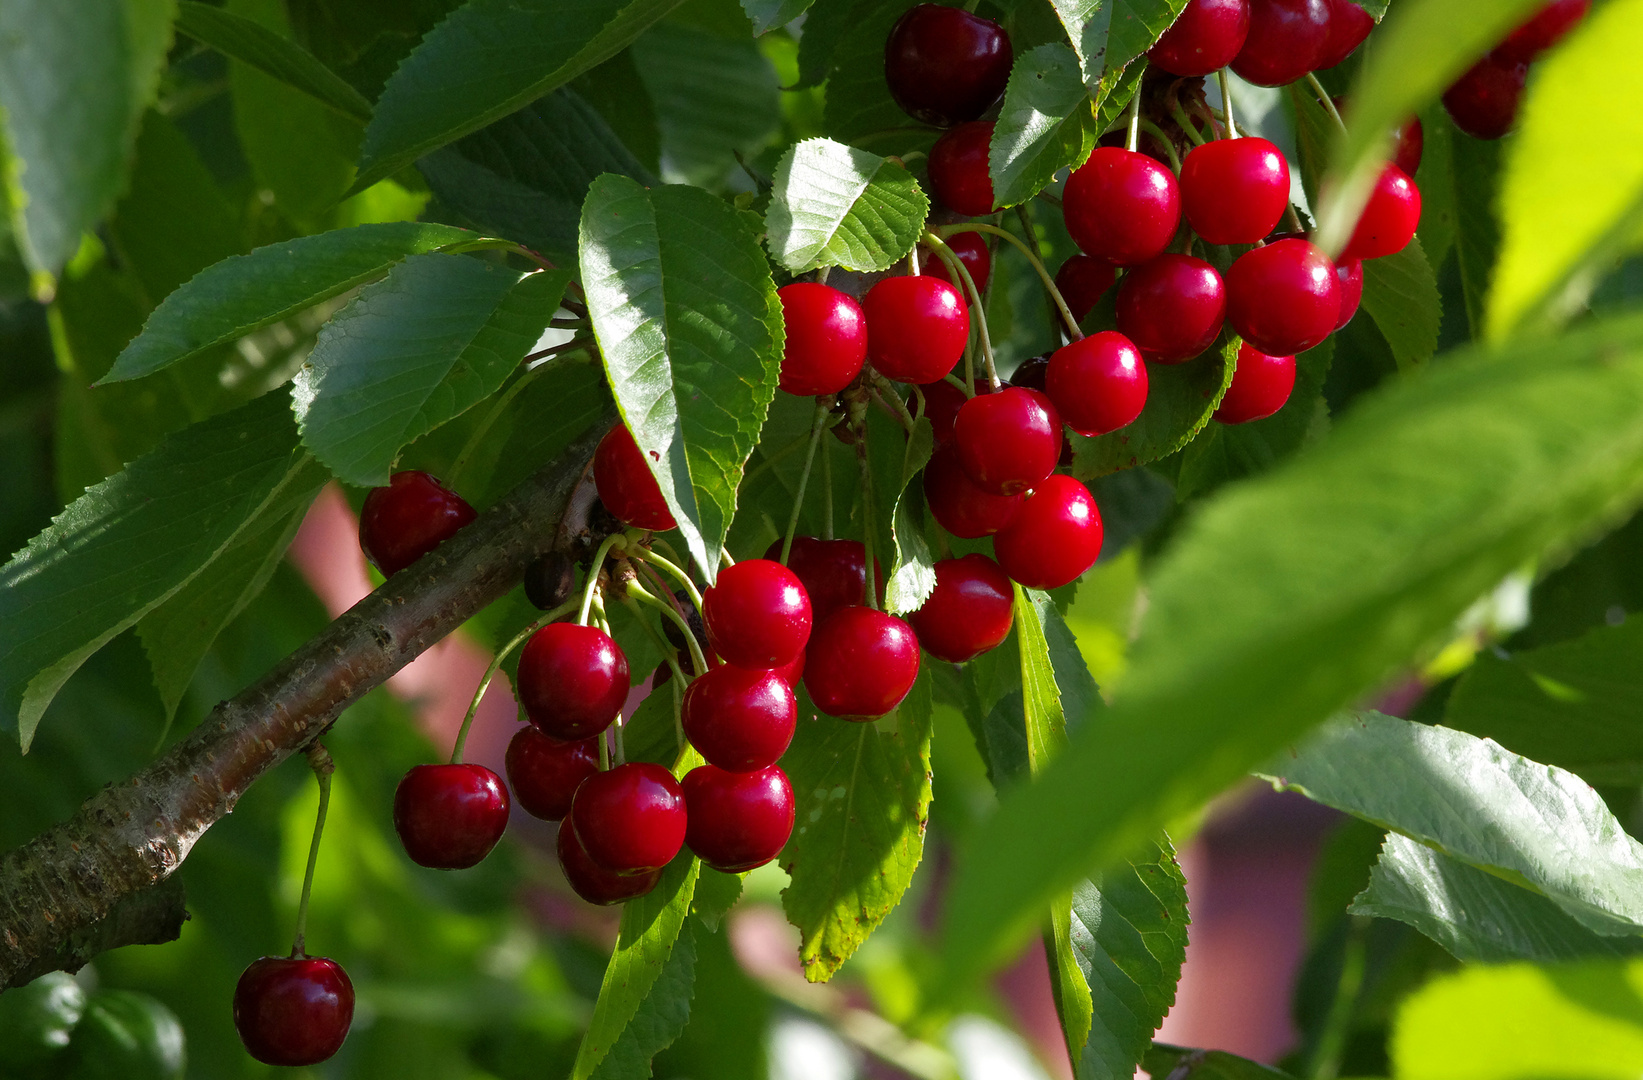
(1283, 298)
(1204, 38)
(1286, 39)
(449, 817)
(737, 820)
(944, 65)
(544, 773)
(793, 671)
(833, 572)
(757, 614)
(1484, 101)
(969, 612)
(1172, 307)
(861, 663)
(739, 719)
(826, 339)
(1260, 386)
(593, 882)
(1408, 142)
(1032, 373)
(573, 680)
(958, 169)
(625, 483)
(630, 819)
(1541, 31)
(1389, 218)
(1349, 24)
(1122, 206)
(1082, 281)
(971, 249)
(407, 519)
(1008, 441)
(916, 327)
(1234, 191)
(958, 505)
(293, 1010)
(1055, 537)
(1099, 383)
(1350, 276)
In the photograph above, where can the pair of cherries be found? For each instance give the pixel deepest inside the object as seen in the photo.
(913, 328)
(1483, 102)
(1267, 42)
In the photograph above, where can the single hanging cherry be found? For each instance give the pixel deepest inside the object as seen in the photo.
(1121, 206)
(1172, 307)
(740, 720)
(1389, 218)
(1349, 24)
(917, 327)
(737, 820)
(402, 522)
(1283, 298)
(1234, 191)
(573, 680)
(626, 485)
(1261, 384)
(293, 1010)
(1286, 40)
(757, 614)
(1054, 538)
(1009, 441)
(1483, 102)
(944, 65)
(544, 773)
(630, 819)
(1099, 383)
(861, 663)
(969, 612)
(826, 339)
(450, 816)
(958, 170)
(1204, 38)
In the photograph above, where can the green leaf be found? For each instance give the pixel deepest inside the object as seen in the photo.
(575, 397)
(660, 1018)
(1180, 400)
(252, 43)
(241, 294)
(436, 336)
(834, 205)
(487, 59)
(36, 1021)
(862, 797)
(858, 99)
(1477, 178)
(1046, 124)
(825, 24)
(1164, 1062)
(691, 332)
(1108, 36)
(1401, 295)
(1340, 564)
(1575, 124)
(1477, 916)
(126, 1035)
(767, 15)
(898, 517)
(1377, 8)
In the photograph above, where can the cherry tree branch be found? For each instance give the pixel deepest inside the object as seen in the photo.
(105, 861)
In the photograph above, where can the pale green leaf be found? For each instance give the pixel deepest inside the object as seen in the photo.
(898, 512)
(252, 43)
(1401, 295)
(834, 205)
(769, 14)
(1046, 124)
(1109, 34)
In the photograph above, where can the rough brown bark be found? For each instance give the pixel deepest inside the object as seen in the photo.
(131, 836)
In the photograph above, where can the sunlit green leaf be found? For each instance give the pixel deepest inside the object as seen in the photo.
(1046, 124)
(1401, 295)
(834, 205)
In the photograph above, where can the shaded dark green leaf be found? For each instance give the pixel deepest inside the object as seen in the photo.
(1165, 1062)
(770, 14)
(252, 43)
(858, 99)
(1180, 400)
(1401, 295)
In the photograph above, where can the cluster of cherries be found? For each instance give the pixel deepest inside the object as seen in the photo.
(1484, 101)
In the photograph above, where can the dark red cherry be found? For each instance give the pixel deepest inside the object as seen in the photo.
(1234, 191)
(1008, 441)
(1350, 276)
(1389, 218)
(544, 773)
(968, 613)
(942, 401)
(1032, 373)
(1099, 383)
(916, 327)
(861, 663)
(1349, 24)
(1122, 206)
(972, 252)
(293, 1010)
(630, 819)
(1055, 537)
(833, 572)
(738, 820)
(407, 519)
(573, 680)
(1407, 144)
(1204, 38)
(1286, 39)
(450, 816)
(1542, 30)
(1083, 280)
(1283, 298)
(1172, 307)
(1483, 102)
(625, 483)
(826, 339)
(1260, 386)
(740, 719)
(945, 65)
(593, 882)
(958, 505)
(958, 170)
(757, 614)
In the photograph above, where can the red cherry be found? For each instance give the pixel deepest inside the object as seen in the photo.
(1099, 383)
(792, 671)
(1121, 206)
(861, 663)
(1350, 276)
(1172, 307)
(738, 820)
(757, 614)
(1483, 102)
(1234, 191)
(1389, 218)
(1407, 144)
(1204, 38)
(407, 519)
(916, 327)
(826, 339)
(972, 252)
(1008, 441)
(1283, 298)
(573, 680)
(958, 505)
(544, 772)
(1055, 537)
(945, 65)
(293, 1010)
(630, 819)
(1286, 39)
(1082, 281)
(1032, 374)
(625, 483)
(739, 719)
(833, 572)
(969, 612)
(1260, 386)
(450, 816)
(942, 401)
(593, 882)
(1349, 24)
(958, 169)
(1542, 30)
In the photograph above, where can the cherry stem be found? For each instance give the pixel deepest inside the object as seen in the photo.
(885, 391)
(817, 426)
(958, 382)
(1185, 123)
(725, 558)
(593, 575)
(912, 262)
(867, 517)
(495, 665)
(668, 658)
(502, 402)
(956, 267)
(1032, 257)
(323, 767)
(697, 660)
(1133, 140)
(918, 393)
(675, 572)
(827, 491)
(1325, 100)
(1292, 217)
(1169, 147)
(667, 595)
(604, 753)
(1226, 103)
(821, 275)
